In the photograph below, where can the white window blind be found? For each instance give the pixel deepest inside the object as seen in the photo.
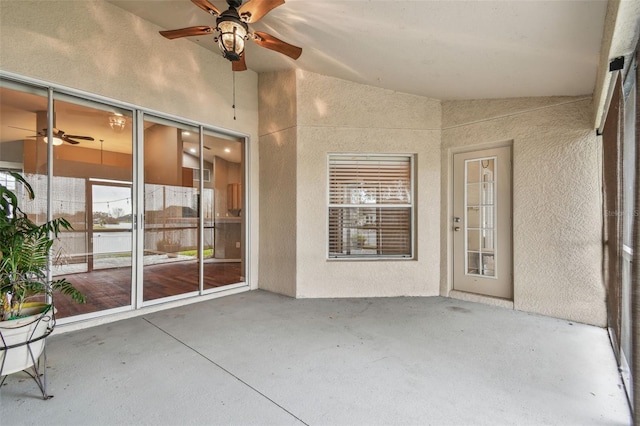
(370, 206)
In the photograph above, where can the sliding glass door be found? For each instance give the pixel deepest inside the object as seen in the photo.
(193, 227)
(156, 203)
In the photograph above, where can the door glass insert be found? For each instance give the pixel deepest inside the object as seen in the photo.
(480, 230)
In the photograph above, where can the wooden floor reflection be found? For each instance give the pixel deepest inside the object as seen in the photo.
(111, 288)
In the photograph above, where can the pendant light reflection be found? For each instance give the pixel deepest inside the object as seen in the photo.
(117, 122)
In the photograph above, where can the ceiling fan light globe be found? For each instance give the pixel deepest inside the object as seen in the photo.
(232, 38)
(56, 141)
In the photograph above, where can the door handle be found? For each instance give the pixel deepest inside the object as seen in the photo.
(456, 228)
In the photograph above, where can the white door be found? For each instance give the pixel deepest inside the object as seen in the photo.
(481, 222)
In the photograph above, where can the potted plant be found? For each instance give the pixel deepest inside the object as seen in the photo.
(25, 248)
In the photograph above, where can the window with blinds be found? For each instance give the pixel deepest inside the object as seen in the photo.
(370, 206)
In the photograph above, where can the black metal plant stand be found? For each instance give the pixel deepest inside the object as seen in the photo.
(38, 369)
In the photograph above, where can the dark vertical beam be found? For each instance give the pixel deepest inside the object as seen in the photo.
(611, 146)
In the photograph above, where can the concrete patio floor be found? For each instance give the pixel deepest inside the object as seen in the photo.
(259, 358)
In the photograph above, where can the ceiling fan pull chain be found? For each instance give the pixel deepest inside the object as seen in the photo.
(234, 94)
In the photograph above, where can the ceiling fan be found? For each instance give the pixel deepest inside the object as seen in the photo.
(232, 30)
(62, 136)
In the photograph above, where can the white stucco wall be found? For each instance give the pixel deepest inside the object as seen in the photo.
(278, 165)
(335, 116)
(556, 198)
(96, 47)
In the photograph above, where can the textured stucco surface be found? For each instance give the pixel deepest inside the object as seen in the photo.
(277, 266)
(99, 48)
(330, 102)
(277, 104)
(556, 201)
(464, 113)
(337, 116)
(278, 147)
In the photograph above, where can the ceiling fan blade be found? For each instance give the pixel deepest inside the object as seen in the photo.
(207, 7)
(82, 138)
(240, 65)
(71, 141)
(270, 42)
(254, 10)
(187, 32)
(22, 128)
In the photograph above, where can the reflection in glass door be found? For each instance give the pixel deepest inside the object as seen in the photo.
(171, 210)
(110, 235)
(223, 211)
(86, 144)
(92, 173)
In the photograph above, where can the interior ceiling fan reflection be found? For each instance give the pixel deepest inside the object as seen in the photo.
(59, 134)
(232, 30)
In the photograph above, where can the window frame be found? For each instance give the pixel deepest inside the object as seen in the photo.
(411, 206)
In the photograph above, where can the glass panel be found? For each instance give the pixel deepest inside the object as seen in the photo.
(473, 265)
(487, 216)
(488, 265)
(223, 209)
(376, 229)
(487, 240)
(170, 209)
(480, 220)
(486, 194)
(20, 108)
(99, 249)
(630, 215)
(473, 240)
(473, 171)
(473, 217)
(473, 194)
(112, 226)
(488, 170)
(369, 231)
(85, 147)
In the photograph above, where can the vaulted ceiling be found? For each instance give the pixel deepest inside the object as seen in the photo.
(442, 49)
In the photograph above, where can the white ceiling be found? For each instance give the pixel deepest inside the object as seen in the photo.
(444, 49)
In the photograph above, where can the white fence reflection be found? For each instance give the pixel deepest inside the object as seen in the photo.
(112, 242)
(113, 249)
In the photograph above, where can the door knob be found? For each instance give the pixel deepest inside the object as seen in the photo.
(456, 228)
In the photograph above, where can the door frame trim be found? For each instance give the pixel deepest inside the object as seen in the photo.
(446, 242)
